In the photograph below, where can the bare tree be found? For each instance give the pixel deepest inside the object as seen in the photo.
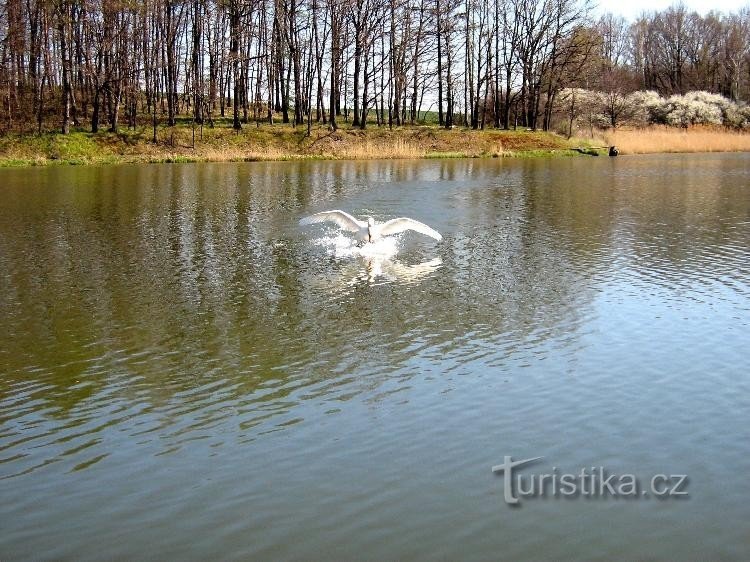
(67, 63)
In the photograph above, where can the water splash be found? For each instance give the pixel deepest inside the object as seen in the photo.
(373, 261)
(341, 246)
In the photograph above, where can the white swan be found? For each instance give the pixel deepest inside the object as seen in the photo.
(368, 231)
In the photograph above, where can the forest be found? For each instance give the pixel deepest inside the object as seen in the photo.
(107, 64)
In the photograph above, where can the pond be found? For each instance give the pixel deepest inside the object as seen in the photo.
(185, 372)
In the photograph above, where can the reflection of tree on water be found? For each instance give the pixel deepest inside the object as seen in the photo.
(186, 295)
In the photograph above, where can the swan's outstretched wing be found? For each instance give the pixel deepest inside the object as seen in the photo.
(395, 226)
(344, 220)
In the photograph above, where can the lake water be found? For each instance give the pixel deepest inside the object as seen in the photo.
(185, 373)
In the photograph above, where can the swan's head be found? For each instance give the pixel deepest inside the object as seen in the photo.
(370, 222)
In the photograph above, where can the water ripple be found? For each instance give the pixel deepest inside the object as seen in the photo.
(179, 356)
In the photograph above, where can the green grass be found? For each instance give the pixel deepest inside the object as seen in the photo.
(543, 153)
(16, 163)
(439, 155)
(272, 142)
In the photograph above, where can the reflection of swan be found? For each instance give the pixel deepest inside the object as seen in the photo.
(377, 270)
(368, 231)
(397, 271)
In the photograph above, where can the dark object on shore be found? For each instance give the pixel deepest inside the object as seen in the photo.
(613, 151)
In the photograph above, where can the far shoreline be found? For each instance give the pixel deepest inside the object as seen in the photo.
(256, 143)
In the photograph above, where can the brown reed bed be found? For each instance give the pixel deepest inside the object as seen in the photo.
(658, 139)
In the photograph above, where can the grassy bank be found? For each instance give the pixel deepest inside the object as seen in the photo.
(278, 142)
(669, 139)
(282, 142)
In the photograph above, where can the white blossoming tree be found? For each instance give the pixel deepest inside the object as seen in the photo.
(693, 109)
(603, 111)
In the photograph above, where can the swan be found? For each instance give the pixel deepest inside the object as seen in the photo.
(369, 231)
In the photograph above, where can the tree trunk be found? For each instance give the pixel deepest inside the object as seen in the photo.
(439, 64)
(357, 65)
(65, 55)
(234, 54)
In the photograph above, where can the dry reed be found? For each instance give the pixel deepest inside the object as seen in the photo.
(666, 139)
(369, 150)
